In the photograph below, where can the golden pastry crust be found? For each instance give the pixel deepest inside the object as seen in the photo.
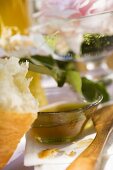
(12, 127)
(36, 88)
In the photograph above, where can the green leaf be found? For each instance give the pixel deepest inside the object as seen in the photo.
(74, 79)
(102, 88)
(41, 69)
(47, 65)
(90, 88)
(47, 61)
(64, 71)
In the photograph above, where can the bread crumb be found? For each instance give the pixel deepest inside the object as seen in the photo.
(48, 153)
(84, 143)
(71, 154)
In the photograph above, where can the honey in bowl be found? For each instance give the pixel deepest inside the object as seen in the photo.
(61, 122)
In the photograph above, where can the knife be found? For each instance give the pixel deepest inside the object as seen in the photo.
(106, 153)
(90, 159)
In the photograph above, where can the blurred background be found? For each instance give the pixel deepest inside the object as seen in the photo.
(19, 15)
(26, 17)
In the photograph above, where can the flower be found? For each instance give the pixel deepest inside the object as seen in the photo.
(63, 16)
(73, 8)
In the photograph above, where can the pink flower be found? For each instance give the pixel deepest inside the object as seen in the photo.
(56, 16)
(73, 8)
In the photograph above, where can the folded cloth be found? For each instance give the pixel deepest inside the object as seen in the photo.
(46, 157)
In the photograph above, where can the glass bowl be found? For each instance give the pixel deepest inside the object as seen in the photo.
(89, 37)
(61, 122)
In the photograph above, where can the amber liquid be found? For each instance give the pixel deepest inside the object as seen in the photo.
(15, 13)
(48, 129)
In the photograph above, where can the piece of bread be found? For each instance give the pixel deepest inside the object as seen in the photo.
(18, 108)
(36, 88)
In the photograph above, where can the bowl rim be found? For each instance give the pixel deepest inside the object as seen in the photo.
(91, 15)
(86, 107)
(36, 15)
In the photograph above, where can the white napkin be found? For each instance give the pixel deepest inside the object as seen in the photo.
(51, 167)
(57, 162)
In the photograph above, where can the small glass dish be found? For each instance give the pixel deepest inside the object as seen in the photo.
(61, 122)
(87, 39)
